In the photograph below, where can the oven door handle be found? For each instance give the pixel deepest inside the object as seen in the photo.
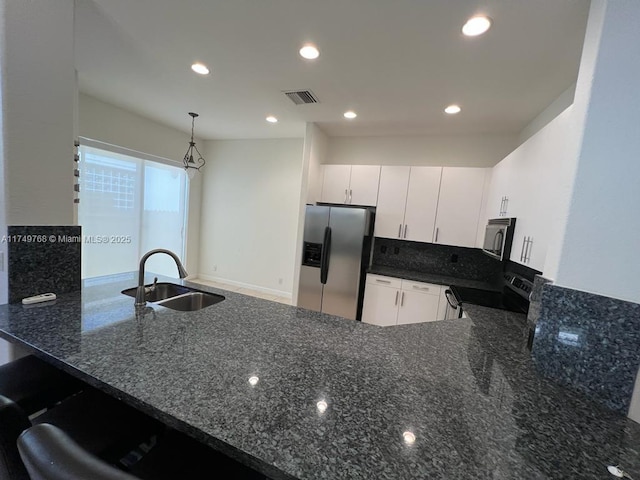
(498, 240)
(448, 294)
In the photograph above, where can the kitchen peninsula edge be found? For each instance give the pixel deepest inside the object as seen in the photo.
(465, 389)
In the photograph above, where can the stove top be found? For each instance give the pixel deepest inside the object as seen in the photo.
(514, 295)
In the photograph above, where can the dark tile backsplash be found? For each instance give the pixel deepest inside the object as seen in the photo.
(469, 263)
(535, 300)
(589, 343)
(43, 259)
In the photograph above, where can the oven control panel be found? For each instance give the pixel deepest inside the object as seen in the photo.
(519, 284)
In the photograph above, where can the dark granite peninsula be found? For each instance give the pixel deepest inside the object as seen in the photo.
(333, 398)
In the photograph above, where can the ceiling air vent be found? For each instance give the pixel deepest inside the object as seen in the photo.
(300, 97)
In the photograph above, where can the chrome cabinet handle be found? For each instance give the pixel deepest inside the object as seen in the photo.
(400, 231)
(402, 300)
(397, 292)
(382, 281)
(405, 230)
(436, 239)
(524, 241)
(345, 195)
(506, 205)
(426, 289)
(501, 207)
(527, 252)
(350, 195)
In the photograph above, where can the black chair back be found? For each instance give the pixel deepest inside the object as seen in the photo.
(13, 421)
(50, 454)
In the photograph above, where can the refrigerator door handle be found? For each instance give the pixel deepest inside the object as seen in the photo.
(324, 256)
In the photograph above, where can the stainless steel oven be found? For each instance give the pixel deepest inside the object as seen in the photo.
(498, 236)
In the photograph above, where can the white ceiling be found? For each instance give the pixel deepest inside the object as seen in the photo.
(397, 63)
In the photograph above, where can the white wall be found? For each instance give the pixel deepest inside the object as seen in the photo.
(554, 109)
(5, 352)
(36, 145)
(109, 124)
(314, 152)
(251, 195)
(599, 251)
(318, 143)
(454, 151)
(39, 91)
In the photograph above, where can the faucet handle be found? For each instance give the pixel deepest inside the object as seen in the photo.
(152, 287)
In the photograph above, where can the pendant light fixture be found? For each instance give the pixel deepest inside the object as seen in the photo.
(191, 164)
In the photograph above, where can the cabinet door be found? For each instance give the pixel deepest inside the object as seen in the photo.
(392, 198)
(459, 206)
(335, 185)
(363, 189)
(499, 195)
(416, 307)
(380, 305)
(422, 203)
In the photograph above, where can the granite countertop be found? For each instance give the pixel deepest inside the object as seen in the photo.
(465, 389)
(420, 276)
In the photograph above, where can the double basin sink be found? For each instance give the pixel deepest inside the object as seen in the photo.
(176, 297)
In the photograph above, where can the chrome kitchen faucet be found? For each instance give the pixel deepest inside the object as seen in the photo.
(140, 292)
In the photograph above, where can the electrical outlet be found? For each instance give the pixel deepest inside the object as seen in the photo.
(454, 258)
(215, 268)
(396, 250)
(279, 281)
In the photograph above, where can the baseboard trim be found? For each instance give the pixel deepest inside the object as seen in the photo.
(258, 288)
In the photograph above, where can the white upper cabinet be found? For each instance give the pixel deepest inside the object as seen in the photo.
(422, 203)
(459, 206)
(350, 184)
(500, 201)
(541, 181)
(335, 185)
(363, 188)
(407, 202)
(392, 200)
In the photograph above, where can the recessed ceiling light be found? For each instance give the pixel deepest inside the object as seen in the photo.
(350, 114)
(271, 119)
(200, 68)
(253, 381)
(476, 26)
(409, 438)
(309, 51)
(322, 406)
(452, 109)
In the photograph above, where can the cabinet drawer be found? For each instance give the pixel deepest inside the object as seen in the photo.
(421, 287)
(384, 281)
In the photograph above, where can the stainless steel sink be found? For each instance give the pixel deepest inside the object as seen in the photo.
(177, 297)
(160, 292)
(191, 301)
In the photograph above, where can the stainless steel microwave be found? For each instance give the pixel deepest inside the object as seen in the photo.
(498, 237)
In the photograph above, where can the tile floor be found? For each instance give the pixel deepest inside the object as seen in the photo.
(245, 291)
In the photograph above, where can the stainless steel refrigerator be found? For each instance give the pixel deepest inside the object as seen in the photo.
(335, 255)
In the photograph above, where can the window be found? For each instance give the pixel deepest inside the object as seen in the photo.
(128, 206)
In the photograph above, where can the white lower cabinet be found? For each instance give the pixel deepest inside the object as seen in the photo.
(381, 296)
(392, 301)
